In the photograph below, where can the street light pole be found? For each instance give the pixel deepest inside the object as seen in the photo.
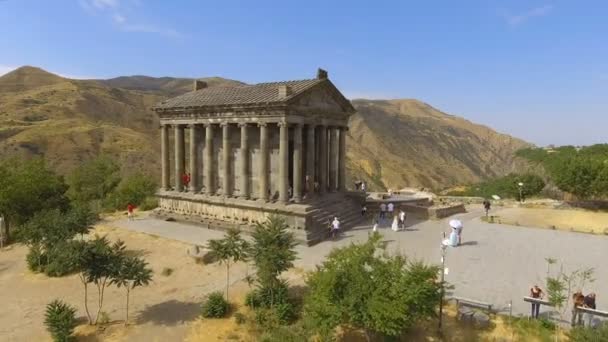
(521, 193)
(443, 253)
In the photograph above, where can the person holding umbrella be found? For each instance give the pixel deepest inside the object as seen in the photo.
(457, 228)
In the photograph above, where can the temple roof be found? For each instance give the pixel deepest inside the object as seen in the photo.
(261, 93)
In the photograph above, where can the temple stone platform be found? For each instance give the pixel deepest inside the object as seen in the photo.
(308, 220)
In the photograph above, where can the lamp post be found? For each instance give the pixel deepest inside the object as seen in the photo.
(521, 192)
(443, 253)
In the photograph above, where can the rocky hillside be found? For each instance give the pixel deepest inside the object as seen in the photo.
(397, 143)
(391, 143)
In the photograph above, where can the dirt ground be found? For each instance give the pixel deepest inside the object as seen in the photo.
(562, 219)
(162, 311)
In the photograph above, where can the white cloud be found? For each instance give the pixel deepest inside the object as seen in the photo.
(118, 18)
(116, 8)
(102, 4)
(518, 19)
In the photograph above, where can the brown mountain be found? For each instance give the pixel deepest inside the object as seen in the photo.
(391, 143)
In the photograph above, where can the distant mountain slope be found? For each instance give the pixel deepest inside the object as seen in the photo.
(170, 86)
(397, 143)
(391, 144)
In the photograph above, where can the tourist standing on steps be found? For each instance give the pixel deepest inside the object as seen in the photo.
(382, 211)
(391, 209)
(363, 210)
(130, 208)
(335, 227)
(363, 187)
(537, 293)
(402, 219)
(186, 180)
(395, 225)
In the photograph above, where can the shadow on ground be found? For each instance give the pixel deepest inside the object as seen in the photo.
(169, 313)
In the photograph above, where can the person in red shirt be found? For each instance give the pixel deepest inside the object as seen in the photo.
(130, 208)
(186, 180)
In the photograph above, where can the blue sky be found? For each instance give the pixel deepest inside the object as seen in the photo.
(537, 70)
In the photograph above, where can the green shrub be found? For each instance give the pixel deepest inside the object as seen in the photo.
(584, 334)
(36, 259)
(149, 203)
(62, 260)
(267, 318)
(60, 320)
(104, 318)
(215, 306)
(285, 312)
(252, 299)
(291, 333)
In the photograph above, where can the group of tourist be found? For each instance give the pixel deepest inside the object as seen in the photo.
(579, 300)
(387, 211)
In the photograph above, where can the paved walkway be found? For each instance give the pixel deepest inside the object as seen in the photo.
(496, 263)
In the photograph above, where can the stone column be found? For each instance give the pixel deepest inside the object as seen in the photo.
(263, 162)
(179, 157)
(194, 158)
(310, 159)
(283, 162)
(342, 160)
(297, 163)
(164, 159)
(333, 159)
(244, 156)
(208, 160)
(226, 183)
(323, 159)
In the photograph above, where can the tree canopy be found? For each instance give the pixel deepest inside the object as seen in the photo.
(363, 287)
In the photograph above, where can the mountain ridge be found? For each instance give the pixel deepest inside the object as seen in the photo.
(391, 143)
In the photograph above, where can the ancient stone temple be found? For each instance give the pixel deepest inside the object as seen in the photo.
(231, 156)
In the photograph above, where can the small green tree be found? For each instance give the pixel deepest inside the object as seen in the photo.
(99, 262)
(231, 249)
(133, 189)
(60, 320)
(273, 252)
(93, 180)
(27, 187)
(131, 272)
(363, 287)
(560, 288)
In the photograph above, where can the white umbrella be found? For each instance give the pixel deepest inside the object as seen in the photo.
(456, 224)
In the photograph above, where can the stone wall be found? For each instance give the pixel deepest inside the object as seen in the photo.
(232, 212)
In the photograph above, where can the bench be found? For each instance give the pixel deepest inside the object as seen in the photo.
(472, 303)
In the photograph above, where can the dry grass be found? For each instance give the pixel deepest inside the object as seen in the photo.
(575, 220)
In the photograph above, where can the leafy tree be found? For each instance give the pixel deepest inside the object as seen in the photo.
(507, 186)
(231, 249)
(60, 320)
(48, 234)
(362, 287)
(133, 189)
(27, 187)
(94, 180)
(577, 176)
(560, 287)
(98, 262)
(273, 252)
(131, 272)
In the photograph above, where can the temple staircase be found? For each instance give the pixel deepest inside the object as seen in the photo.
(347, 207)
